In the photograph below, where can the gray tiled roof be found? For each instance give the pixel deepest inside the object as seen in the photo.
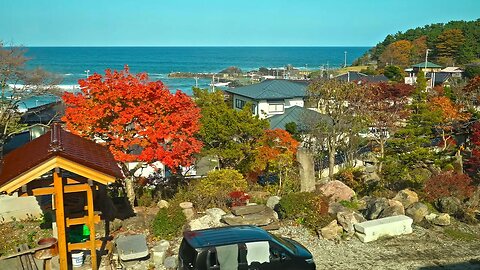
(429, 65)
(298, 115)
(271, 89)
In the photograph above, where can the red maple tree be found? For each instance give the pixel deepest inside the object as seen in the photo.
(138, 119)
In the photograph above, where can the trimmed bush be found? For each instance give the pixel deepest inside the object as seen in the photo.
(169, 222)
(308, 209)
(214, 189)
(449, 184)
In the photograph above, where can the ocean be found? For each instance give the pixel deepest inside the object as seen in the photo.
(72, 63)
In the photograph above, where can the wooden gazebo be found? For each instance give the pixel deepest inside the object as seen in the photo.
(59, 163)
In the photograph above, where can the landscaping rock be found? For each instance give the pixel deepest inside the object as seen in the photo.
(273, 201)
(258, 219)
(215, 213)
(171, 262)
(189, 213)
(449, 205)
(159, 252)
(348, 219)
(337, 191)
(417, 211)
(406, 197)
(442, 220)
(334, 208)
(132, 247)
(248, 209)
(375, 207)
(331, 231)
(395, 208)
(163, 204)
(390, 226)
(203, 222)
(186, 205)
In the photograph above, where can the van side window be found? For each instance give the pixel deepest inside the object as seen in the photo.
(212, 260)
(277, 253)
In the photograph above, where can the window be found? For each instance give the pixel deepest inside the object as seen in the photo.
(239, 104)
(212, 260)
(275, 107)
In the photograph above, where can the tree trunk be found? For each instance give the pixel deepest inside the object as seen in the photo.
(382, 155)
(331, 158)
(130, 189)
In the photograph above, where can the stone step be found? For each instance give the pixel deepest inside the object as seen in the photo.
(389, 226)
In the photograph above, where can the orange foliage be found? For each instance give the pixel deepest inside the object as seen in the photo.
(397, 53)
(128, 111)
(450, 111)
(275, 145)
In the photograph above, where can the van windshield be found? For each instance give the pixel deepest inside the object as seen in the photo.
(291, 247)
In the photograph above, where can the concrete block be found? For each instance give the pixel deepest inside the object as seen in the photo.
(19, 208)
(390, 226)
(131, 247)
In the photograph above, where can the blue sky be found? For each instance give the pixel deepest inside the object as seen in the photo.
(220, 22)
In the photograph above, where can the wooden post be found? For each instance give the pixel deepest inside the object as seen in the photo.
(91, 226)
(60, 218)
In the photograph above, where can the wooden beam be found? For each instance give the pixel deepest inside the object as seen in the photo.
(85, 171)
(60, 219)
(91, 225)
(81, 220)
(28, 176)
(83, 245)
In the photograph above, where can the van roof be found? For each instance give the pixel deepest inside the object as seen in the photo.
(225, 235)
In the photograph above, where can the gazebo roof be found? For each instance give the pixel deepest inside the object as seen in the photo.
(429, 65)
(57, 148)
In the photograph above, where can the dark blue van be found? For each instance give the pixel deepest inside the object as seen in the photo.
(242, 248)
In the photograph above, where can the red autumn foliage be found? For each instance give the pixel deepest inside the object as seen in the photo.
(238, 198)
(449, 184)
(472, 163)
(128, 111)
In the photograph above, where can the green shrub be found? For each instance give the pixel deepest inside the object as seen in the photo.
(169, 222)
(213, 190)
(308, 209)
(146, 198)
(351, 177)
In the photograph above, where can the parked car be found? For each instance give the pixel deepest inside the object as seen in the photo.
(242, 248)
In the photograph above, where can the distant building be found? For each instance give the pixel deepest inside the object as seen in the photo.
(270, 97)
(352, 76)
(427, 67)
(301, 116)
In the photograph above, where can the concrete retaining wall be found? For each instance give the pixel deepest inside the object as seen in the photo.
(19, 208)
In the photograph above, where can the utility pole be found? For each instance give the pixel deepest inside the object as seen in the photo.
(425, 70)
(87, 71)
(196, 81)
(345, 62)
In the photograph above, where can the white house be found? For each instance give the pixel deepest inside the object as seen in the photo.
(270, 97)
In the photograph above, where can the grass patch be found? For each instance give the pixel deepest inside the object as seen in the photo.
(459, 235)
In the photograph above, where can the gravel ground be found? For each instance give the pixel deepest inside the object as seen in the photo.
(425, 249)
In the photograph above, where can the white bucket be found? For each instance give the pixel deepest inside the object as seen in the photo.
(77, 258)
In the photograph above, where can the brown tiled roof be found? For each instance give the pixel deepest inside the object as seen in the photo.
(58, 142)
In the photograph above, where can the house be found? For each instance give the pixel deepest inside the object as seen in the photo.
(298, 115)
(270, 97)
(352, 76)
(454, 72)
(427, 67)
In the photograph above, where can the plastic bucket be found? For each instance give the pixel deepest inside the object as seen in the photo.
(77, 258)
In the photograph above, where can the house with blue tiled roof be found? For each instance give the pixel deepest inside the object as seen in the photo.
(270, 97)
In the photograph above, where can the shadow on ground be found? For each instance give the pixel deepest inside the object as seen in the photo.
(469, 265)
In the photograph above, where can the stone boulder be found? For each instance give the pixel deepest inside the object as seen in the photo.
(248, 209)
(263, 218)
(348, 219)
(159, 252)
(215, 213)
(375, 206)
(331, 231)
(163, 204)
(186, 205)
(334, 208)
(337, 191)
(442, 220)
(204, 222)
(417, 211)
(171, 262)
(273, 201)
(395, 208)
(406, 197)
(449, 205)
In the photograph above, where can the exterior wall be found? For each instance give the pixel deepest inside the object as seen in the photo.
(146, 170)
(294, 102)
(19, 208)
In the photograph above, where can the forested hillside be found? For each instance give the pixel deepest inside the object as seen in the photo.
(456, 42)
